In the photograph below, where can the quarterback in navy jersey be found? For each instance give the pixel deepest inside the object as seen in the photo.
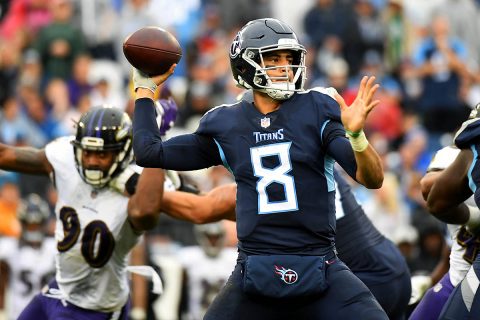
(446, 201)
(281, 150)
(372, 258)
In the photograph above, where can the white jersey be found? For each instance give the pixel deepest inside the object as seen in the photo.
(29, 270)
(464, 249)
(93, 236)
(206, 276)
(464, 246)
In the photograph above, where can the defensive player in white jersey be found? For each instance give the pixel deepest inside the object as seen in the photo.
(100, 216)
(207, 268)
(464, 246)
(27, 263)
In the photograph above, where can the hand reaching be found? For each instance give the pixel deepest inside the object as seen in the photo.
(354, 116)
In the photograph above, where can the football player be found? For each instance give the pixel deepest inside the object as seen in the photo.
(371, 257)
(29, 262)
(464, 247)
(281, 150)
(207, 267)
(100, 215)
(446, 201)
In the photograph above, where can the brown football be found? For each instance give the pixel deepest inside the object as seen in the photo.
(152, 50)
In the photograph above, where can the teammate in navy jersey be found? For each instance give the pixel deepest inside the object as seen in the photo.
(371, 257)
(281, 150)
(446, 201)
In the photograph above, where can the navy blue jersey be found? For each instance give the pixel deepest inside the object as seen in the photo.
(371, 256)
(468, 137)
(282, 163)
(355, 231)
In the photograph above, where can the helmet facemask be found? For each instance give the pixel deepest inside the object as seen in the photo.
(279, 87)
(211, 237)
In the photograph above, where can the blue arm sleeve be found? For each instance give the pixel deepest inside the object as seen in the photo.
(185, 152)
(339, 148)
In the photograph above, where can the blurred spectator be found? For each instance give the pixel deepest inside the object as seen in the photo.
(331, 28)
(463, 17)
(406, 239)
(14, 125)
(398, 38)
(9, 69)
(385, 208)
(440, 63)
(108, 88)
(59, 43)
(237, 13)
(61, 110)
(24, 19)
(370, 26)
(102, 94)
(431, 245)
(9, 202)
(78, 83)
(47, 127)
(31, 70)
(99, 23)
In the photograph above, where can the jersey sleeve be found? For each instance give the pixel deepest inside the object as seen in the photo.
(332, 132)
(468, 134)
(184, 152)
(7, 248)
(60, 154)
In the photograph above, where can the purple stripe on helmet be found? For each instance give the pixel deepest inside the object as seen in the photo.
(90, 125)
(99, 122)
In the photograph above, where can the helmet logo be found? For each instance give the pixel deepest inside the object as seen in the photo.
(288, 276)
(236, 46)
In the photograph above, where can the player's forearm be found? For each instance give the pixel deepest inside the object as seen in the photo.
(218, 204)
(453, 215)
(25, 160)
(191, 207)
(147, 142)
(145, 205)
(369, 168)
(185, 206)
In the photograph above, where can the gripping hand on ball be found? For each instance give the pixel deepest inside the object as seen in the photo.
(142, 80)
(166, 110)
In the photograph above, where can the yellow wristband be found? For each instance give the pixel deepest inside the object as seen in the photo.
(359, 142)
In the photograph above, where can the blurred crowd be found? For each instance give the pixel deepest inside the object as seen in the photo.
(60, 57)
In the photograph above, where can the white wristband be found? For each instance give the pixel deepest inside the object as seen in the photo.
(138, 314)
(473, 222)
(358, 141)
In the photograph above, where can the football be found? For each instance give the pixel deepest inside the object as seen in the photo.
(152, 50)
